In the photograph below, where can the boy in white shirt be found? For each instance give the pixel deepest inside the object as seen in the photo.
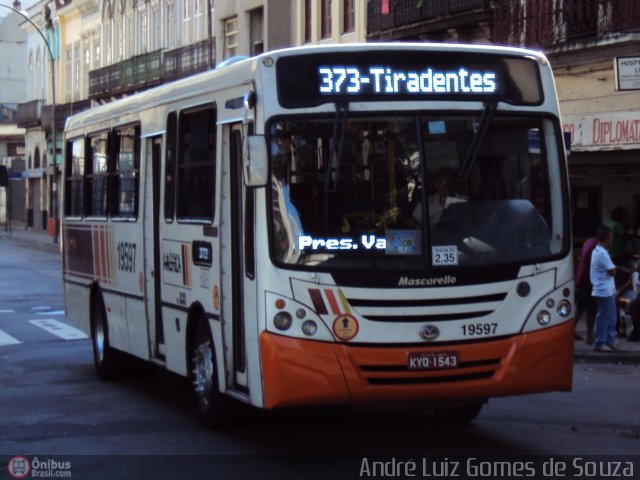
(602, 274)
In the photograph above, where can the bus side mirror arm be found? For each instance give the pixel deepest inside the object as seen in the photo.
(255, 161)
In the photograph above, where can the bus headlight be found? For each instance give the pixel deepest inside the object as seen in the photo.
(282, 320)
(564, 308)
(544, 318)
(309, 328)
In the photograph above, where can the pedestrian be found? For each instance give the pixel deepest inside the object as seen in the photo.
(602, 274)
(634, 305)
(618, 249)
(585, 302)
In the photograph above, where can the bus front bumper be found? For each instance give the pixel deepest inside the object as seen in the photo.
(300, 372)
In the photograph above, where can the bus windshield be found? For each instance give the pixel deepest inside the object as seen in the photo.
(416, 191)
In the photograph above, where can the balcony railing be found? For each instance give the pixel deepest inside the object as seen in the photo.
(547, 25)
(184, 61)
(403, 13)
(29, 114)
(63, 111)
(144, 71)
(134, 73)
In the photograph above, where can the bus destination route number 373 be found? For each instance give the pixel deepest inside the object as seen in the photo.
(329, 225)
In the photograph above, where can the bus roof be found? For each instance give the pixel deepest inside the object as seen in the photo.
(241, 70)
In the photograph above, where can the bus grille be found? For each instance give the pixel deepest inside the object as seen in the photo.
(427, 310)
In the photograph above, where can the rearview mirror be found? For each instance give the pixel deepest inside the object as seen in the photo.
(255, 161)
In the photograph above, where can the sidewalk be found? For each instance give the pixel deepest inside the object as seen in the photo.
(35, 238)
(626, 352)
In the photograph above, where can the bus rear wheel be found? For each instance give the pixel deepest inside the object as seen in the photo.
(215, 408)
(458, 415)
(105, 358)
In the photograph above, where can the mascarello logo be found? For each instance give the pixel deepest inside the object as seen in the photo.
(19, 467)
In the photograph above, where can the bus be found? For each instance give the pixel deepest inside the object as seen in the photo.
(343, 224)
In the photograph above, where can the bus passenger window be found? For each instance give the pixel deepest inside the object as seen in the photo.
(126, 177)
(170, 167)
(196, 165)
(74, 171)
(97, 175)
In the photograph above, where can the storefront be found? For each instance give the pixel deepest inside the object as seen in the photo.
(604, 169)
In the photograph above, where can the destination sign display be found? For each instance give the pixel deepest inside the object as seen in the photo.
(389, 75)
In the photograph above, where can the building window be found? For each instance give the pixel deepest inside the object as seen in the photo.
(122, 24)
(14, 148)
(197, 19)
(126, 175)
(325, 19)
(170, 29)
(97, 175)
(86, 60)
(230, 37)
(196, 165)
(256, 38)
(307, 21)
(349, 16)
(74, 181)
(186, 31)
(96, 53)
(76, 71)
(67, 78)
(154, 28)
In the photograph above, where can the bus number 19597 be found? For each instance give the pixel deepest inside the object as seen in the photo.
(477, 329)
(127, 257)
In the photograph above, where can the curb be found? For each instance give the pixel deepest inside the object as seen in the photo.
(620, 357)
(28, 242)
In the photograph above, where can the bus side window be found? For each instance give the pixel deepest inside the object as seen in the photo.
(97, 175)
(74, 172)
(196, 164)
(126, 176)
(170, 167)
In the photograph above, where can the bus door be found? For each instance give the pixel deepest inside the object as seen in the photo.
(152, 272)
(237, 258)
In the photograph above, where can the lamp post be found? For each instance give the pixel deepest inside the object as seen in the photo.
(17, 9)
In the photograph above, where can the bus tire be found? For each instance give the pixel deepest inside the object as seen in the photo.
(105, 358)
(215, 408)
(458, 415)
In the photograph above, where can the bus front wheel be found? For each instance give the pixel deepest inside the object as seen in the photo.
(105, 358)
(215, 407)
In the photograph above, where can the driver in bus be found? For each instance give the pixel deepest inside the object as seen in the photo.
(443, 197)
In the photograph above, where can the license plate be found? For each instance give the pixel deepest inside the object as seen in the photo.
(433, 360)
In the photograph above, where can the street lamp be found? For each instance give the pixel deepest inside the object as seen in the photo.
(17, 8)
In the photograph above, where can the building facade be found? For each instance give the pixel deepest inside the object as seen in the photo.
(329, 21)
(251, 27)
(586, 42)
(13, 74)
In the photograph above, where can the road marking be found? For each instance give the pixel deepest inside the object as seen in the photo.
(59, 329)
(41, 308)
(7, 311)
(6, 339)
(52, 312)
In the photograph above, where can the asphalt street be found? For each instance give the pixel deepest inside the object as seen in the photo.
(53, 404)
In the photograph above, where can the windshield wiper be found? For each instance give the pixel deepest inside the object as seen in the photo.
(476, 143)
(337, 144)
(338, 136)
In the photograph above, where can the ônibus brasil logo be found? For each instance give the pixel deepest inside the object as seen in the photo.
(19, 467)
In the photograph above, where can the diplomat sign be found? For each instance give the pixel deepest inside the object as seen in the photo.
(603, 131)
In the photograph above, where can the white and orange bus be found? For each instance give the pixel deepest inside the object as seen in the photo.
(329, 225)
